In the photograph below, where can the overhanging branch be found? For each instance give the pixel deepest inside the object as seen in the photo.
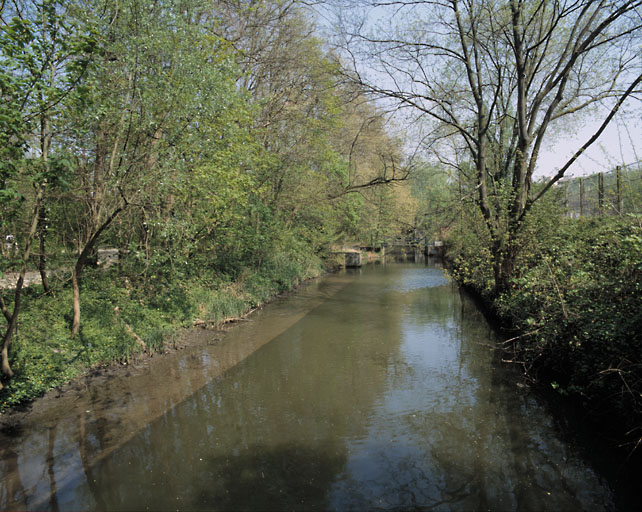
(587, 144)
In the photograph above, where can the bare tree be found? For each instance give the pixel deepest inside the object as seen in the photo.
(500, 78)
(285, 67)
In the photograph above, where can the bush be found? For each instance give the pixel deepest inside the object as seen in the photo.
(575, 307)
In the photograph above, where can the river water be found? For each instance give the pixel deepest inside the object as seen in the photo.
(365, 390)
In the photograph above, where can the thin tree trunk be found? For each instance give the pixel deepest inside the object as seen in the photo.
(45, 145)
(620, 209)
(80, 264)
(7, 373)
(75, 324)
(42, 261)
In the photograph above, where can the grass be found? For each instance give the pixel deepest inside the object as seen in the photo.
(114, 306)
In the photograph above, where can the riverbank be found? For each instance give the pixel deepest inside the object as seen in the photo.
(571, 320)
(127, 317)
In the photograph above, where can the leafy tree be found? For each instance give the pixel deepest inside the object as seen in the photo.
(157, 133)
(495, 79)
(43, 58)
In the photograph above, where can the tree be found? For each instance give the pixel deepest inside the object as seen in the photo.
(43, 58)
(441, 202)
(315, 132)
(155, 130)
(371, 196)
(496, 79)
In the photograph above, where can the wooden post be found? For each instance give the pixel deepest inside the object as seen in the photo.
(581, 197)
(600, 193)
(618, 172)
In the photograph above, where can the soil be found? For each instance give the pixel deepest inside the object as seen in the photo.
(201, 335)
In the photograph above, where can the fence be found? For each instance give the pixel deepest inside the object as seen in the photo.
(617, 192)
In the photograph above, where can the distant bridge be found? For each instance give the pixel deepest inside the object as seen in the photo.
(428, 247)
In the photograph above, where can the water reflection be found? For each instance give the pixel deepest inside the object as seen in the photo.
(384, 394)
(94, 418)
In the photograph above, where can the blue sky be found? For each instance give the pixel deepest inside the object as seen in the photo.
(619, 144)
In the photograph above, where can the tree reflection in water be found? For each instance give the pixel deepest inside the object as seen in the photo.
(384, 394)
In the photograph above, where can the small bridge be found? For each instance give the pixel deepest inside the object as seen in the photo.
(352, 257)
(423, 244)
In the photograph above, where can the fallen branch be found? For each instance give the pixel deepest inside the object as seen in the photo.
(530, 333)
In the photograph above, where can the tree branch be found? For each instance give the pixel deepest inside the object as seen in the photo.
(585, 146)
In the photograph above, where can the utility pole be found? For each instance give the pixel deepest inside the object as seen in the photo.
(581, 197)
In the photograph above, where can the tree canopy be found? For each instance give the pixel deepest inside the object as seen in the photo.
(492, 81)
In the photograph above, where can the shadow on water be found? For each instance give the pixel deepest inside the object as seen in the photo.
(594, 443)
(286, 477)
(552, 468)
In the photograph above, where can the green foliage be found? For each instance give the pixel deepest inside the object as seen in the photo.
(468, 243)
(437, 192)
(44, 354)
(574, 304)
(44, 54)
(216, 158)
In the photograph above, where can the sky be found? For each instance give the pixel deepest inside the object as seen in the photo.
(620, 143)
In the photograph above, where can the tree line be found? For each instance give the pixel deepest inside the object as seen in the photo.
(188, 134)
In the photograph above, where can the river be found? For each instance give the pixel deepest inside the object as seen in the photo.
(369, 389)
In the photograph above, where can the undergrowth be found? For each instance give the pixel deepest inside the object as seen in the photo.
(119, 309)
(575, 310)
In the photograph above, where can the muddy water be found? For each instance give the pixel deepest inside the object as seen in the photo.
(368, 390)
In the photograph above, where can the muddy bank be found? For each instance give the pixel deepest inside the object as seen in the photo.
(186, 345)
(86, 420)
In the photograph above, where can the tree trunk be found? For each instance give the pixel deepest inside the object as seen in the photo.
(80, 264)
(45, 145)
(7, 373)
(42, 261)
(504, 257)
(5, 367)
(75, 324)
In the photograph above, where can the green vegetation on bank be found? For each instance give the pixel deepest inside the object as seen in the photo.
(213, 145)
(122, 311)
(572, 310)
